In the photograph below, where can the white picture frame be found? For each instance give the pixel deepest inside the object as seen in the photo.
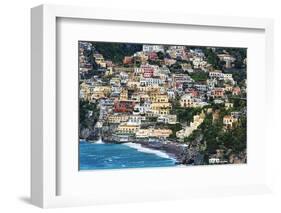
(44, 154)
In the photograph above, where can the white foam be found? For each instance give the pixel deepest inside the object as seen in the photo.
(99, 141)
(148, 150)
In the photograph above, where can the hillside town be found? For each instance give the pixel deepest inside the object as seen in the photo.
(187, 101)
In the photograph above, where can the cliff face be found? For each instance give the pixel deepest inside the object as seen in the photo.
(84, 133)
(88, 116)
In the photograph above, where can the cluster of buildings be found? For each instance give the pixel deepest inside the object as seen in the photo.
(138, 96)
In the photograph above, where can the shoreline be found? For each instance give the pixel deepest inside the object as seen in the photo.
(177, 152)
(144, 149)
(140, 146)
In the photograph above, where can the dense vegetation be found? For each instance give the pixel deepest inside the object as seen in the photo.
(239, 54)
(239, 75)
(184, 115)
(116, 51)
(216, 138)
(199, 76)
(232, 141)
(87, 120)
(175, 128)
(175, 68)
(212, 58)
(211, 55)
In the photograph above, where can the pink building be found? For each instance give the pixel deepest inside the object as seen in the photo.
(236, 91)
(193, 92)
(128, 60)
(148, 72)
(218, 92)
(153, 56)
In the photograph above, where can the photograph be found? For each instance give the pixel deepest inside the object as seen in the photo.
(161, 105)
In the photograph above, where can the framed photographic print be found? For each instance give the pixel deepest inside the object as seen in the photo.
(151, 105)
(129, 106)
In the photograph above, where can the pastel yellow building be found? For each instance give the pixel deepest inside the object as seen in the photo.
(99, 60)
(123, 95)
(197, 120)
(228, 105)
(117, 118)
(229, 121)
(160, 104)
(100, 92)
(155, 133)
(97, 95)
(161, 108)
(151, 88)
(186, 101)
(90, 92)
(109, 71)
(104, 89)
(126, 128)
(228, 87)
(85, 91)
(133, 84)
(159, 98)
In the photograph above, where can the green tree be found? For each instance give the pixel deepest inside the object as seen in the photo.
(160, 55)
(199, 76)
(175, 128)
(116, 51)
(85, 120)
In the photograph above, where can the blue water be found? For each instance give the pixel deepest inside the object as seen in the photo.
(116, 156)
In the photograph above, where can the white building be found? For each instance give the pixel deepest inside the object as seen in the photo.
(175, 47)
(171, 93)
(214, 160)
(152, 48)
(142, 109)
(201, 87)
(212, 83)
(228, 77)
(150, 81)
(135, 119)
(186, 101)
(198, 62)
(216, 74)
(167, 119)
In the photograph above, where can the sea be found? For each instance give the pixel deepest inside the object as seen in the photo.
(99, 155)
